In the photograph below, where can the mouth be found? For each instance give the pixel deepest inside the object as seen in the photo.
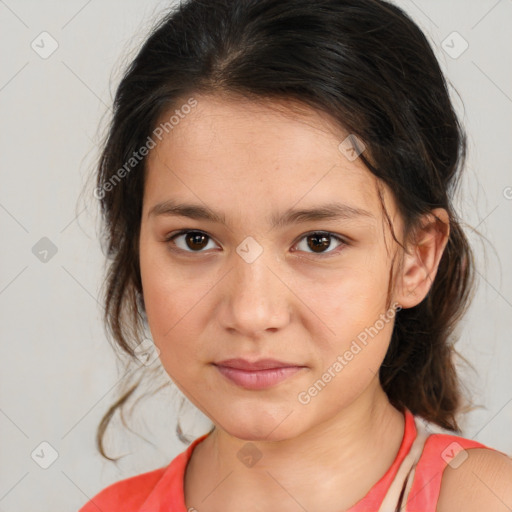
(261, 374)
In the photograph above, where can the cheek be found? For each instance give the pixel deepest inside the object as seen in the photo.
(359, 330)
(346, 300)
(166, 307)
(167, 303)
(174, 300)
(347, 368)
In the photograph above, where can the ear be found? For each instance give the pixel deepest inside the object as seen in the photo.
(422, 258)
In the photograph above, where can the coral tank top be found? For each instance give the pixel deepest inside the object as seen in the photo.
(413, 479)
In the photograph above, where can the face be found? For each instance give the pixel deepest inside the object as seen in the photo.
(254, 280)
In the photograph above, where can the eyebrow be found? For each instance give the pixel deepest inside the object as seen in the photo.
(330, 211)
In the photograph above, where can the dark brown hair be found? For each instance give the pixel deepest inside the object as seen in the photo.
(367, 65)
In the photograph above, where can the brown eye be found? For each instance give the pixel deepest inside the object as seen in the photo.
(319, 242)
(189, 241)
(196, 240)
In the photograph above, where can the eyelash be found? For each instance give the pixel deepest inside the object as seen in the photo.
(169, 239)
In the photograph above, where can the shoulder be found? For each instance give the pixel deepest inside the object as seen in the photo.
(481, 480)
(146, 489)
(126, 494)
(456, 473)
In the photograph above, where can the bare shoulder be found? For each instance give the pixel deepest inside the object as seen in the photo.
(482, 480)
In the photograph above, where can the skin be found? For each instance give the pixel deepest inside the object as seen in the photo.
(289, 303)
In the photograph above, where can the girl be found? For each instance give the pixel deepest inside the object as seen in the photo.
(277, 189)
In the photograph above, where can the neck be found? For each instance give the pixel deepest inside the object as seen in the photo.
(340, 459)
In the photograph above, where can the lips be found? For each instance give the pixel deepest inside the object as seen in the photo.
(257, 375)
(261, 364)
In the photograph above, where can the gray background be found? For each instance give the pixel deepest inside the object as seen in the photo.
(58, 372)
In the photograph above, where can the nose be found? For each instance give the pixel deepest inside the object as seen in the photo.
(256, 300)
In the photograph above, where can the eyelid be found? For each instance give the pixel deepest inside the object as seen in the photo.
(344, 241)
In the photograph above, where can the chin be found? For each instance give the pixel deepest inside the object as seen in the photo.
(262, 425)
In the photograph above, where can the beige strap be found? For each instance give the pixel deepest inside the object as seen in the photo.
(409, 481)
(406, 470)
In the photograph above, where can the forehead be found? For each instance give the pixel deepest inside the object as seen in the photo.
(237, 150)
